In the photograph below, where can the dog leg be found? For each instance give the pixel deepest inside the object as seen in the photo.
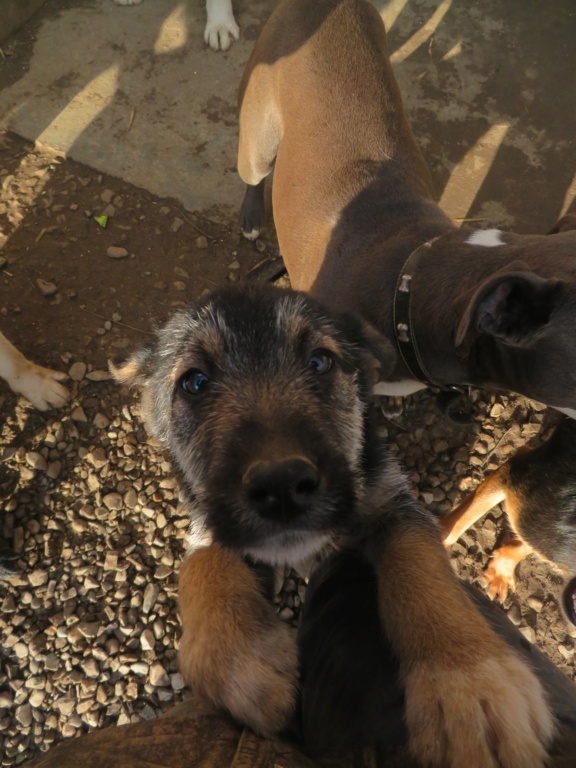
(234, 650)
(252, 211)
(470, 700)
(37, 384)
(260, 134)
(489, 493)
(221, 27)
(499, 577)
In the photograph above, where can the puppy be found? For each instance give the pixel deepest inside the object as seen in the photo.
(261, 398)
(39, 385)
(358, 226)
(539, 488)
(349, 691)
(221, 27)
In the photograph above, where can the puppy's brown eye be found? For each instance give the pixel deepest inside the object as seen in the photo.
(320, 361)
(194, 382)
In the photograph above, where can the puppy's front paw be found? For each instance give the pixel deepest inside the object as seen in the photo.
(127, 2)
(250, 671)
(221, 27)
(40, 386)
(234, 650)
(491, 714)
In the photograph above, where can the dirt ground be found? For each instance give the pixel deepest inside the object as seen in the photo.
(89, 628)
(59, 515)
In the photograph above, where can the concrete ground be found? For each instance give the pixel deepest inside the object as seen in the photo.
(135, 93)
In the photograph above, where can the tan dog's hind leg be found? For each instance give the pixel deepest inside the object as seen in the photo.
(489, 493)
(260, 134)
(499, 576)
(234, 650)
(37, 384)
(470, 701)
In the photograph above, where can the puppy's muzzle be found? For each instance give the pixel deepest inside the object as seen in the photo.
(281, 490)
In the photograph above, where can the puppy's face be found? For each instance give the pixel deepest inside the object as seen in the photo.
(259, 396)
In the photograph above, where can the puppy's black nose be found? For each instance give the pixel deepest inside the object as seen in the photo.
(281, 490)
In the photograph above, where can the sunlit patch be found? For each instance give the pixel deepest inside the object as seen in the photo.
(470, 173)
(488, 238)
(453, 52)
(422, 35)
(173, 32)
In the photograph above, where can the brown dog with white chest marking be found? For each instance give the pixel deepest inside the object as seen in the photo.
(359, 229)
(261, 397)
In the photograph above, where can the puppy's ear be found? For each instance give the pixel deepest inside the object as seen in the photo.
(378, 355)
(512, 305)
(135, 371)
(565, 224)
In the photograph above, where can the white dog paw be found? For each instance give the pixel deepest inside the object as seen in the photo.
(221, 27)
(40, 386)
(127, 2)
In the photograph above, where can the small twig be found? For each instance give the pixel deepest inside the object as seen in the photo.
(196, 227)
(131, 118)
(495, 448)
(44, 231)
(119, 322)
(461, 218)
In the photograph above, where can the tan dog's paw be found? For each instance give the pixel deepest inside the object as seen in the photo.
(492, 714)
(499, 576)
(40, 386)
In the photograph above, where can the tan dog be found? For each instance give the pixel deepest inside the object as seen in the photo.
(359, 229)
(539, 489)
(262, 399)
(39, 385)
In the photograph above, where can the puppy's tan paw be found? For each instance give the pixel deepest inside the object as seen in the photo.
(234, 650)
(491, 714)
(252, 673)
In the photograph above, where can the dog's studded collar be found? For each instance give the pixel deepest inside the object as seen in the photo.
(402, 316)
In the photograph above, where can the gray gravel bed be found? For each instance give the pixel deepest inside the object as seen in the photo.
(89, 626)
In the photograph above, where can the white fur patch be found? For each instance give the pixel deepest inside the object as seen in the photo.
(290, 547)
(489, 238)
(397, 388)
(568, 411)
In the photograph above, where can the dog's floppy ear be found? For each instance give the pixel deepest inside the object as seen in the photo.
(565, 224)
(136, 370)
(512, 305)
(377, 353)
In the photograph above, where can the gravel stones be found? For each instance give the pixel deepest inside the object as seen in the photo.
(150, 596)
(113, 501)
(158, 676)
(116, 252)
(77, 371)
(89, 627)
(46, 287)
